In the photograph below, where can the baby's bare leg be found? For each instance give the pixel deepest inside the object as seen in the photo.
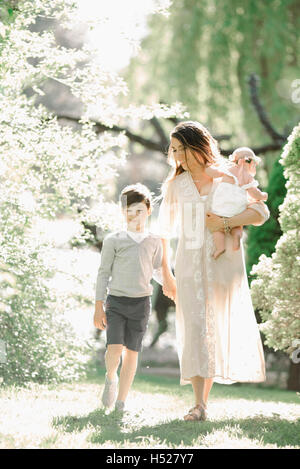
(237, 233)
(219, 240)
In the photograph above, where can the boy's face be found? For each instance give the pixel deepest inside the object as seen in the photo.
(136, 215)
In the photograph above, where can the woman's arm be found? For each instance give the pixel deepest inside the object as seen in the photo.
(213, 172)
(169, 283)
(167, 220)
(250, 216)
(247, 217)
(166, 255)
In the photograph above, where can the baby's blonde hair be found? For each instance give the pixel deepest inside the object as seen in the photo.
(244, 152)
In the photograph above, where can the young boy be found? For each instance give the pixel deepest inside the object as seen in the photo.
(129, 259)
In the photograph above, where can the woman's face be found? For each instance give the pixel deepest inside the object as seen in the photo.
(184, 156)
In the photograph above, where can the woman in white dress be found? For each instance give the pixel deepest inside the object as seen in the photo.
(216, 331)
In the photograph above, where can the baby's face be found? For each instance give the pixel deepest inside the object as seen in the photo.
(136, 215)
(251, 167)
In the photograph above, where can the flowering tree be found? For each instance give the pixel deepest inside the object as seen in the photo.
(275, 291)
(46, 169)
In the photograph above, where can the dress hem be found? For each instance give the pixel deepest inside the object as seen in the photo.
(184, 381)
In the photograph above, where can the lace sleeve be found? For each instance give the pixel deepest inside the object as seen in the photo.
(167, 220)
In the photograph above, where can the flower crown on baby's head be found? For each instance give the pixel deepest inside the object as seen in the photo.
(244, 153)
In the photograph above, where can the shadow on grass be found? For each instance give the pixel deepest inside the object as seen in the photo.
(150, 383)
(110, 427)
(96, 420)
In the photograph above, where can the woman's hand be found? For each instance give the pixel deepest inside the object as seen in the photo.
(169, 286)
(213, 222)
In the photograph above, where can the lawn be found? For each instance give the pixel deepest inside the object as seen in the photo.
(70, 416)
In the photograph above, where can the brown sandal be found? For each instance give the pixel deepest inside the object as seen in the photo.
(195, 414)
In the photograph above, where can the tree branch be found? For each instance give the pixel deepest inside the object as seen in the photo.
(160, 131)
(160, 146)
(176, 121)
(258, 150)
(262, 115)
(99, 128)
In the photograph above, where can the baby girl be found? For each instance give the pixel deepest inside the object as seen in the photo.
(230, 197)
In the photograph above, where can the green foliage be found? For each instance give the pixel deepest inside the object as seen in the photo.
(48, 169)
(40, 345)
(203, 54)
(262, 240)
(67, 415)
(275, 291)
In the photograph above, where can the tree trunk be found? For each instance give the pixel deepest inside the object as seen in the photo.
(293, 382)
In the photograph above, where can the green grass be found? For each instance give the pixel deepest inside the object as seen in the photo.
(70, 416)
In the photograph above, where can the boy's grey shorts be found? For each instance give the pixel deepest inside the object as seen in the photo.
(127, 320)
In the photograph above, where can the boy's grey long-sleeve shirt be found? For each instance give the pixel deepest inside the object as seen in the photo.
(127, 266)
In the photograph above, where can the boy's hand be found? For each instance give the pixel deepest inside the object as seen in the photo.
(100, 320)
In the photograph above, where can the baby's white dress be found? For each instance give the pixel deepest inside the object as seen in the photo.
(231, 199)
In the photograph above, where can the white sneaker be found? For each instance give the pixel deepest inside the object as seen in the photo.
(120, 406)
(110, 391)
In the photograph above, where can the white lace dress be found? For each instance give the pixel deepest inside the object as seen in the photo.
(216, 330)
